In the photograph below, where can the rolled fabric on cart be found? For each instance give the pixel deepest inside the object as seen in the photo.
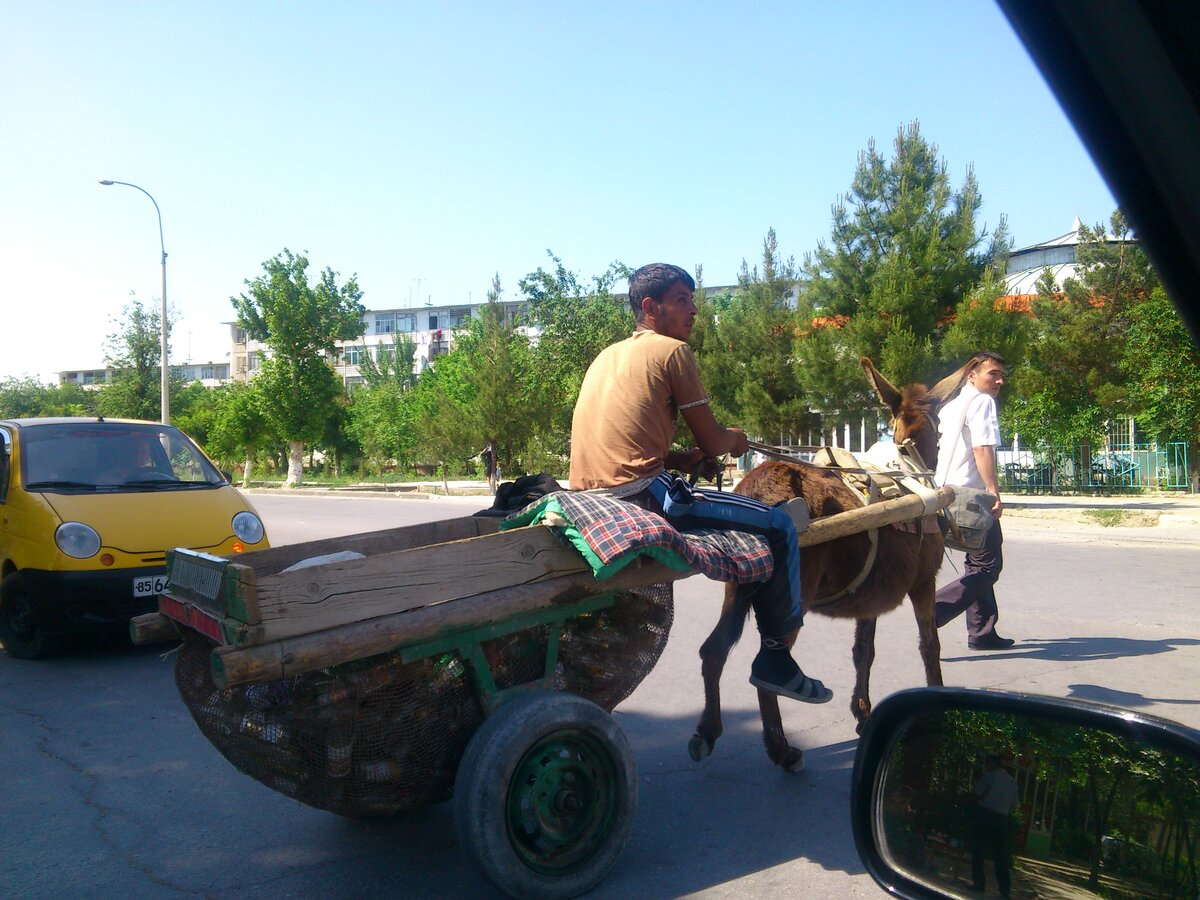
(610, 534)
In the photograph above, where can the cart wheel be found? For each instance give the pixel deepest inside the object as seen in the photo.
(545, 795)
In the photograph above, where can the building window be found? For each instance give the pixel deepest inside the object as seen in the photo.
(406, 322)
(514, 315)
(206, 373)
(253, 362)
(455, 318)
(385, 352)
(354, 355)
(385, 323)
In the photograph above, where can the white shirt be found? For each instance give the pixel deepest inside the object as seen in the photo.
(997, 791)
(966, 422)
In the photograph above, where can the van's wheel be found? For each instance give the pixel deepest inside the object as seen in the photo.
(546, 795)
(19, 630)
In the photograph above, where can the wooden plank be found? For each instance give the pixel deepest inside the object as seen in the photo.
(371, 543)
(357, 640)
(907, 508)
(220, 629)
(322, 597)
(153, 628)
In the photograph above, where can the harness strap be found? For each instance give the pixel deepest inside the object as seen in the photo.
(856, 582)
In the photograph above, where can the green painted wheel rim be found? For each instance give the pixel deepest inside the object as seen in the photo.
(562, 801)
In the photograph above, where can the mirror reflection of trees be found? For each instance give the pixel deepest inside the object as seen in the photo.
(1097, 813)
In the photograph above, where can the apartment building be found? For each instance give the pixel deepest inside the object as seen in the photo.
(210, 374)
(431, 329)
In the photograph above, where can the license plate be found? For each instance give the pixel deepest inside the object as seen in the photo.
(149, 585)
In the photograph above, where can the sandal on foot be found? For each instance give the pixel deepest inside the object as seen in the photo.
(801, 687)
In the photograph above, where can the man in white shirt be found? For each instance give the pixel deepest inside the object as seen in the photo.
(996, 795)
(969, 436)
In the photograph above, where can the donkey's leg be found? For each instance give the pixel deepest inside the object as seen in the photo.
(864, 658)
(922, 595)
(713, 653)
(779, 750)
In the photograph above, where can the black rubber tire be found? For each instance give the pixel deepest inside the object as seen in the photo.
(20, 633)
(560, 765)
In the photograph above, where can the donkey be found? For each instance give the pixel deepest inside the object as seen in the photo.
(906, 562)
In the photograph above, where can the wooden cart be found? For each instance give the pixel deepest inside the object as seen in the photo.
(448, 659)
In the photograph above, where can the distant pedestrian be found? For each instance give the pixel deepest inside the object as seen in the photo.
(969, 435)
(996, 796)
(490, 470)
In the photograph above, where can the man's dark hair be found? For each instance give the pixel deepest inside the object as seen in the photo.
(653, 281)
(984, 356)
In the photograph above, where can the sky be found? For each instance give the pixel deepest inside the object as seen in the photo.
(426, 146)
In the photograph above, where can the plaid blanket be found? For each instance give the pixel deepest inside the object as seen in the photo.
(609, 534)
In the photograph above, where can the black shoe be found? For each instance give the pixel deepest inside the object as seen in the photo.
(991, 642)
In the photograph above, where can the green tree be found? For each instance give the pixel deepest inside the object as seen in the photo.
(575, 323)
(240, 429)
(439, 405)
(301, 323)
(134, 351)
(28, 397)
(1072, 380)
(984, 320)
(1162, 368)
(904, 251)
(497, 364)
(194, 410)
(381, 422)
(338, 442)
(714, 349)
(747, 352)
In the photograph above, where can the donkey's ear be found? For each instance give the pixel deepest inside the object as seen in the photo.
(886, 391)
(944, 390)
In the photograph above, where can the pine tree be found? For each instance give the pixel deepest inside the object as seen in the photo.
(904, 251)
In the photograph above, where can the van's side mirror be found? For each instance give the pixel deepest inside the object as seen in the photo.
(1080, 799)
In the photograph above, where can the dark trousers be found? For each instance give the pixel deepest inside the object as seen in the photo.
(973, 593)
(990, 837)
(776, 602)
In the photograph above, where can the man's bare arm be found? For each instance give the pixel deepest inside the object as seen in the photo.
(985, 461)
(711, 437)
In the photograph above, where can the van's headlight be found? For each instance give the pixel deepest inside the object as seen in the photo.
(77, 540)
(248, 527)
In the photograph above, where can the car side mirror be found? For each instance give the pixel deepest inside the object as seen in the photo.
(1077, 798)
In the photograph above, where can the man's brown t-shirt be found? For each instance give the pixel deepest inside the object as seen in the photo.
(625, 416)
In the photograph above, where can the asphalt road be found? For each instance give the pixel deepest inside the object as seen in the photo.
(110, 790)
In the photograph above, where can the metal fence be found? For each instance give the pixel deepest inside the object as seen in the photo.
(1115, 468)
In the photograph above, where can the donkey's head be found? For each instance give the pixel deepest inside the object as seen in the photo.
(914, 412)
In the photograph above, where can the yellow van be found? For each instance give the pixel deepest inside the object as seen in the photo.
(88, 509)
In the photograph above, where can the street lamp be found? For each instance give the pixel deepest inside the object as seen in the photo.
(166, 401)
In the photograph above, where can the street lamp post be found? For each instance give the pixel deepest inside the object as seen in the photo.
(166, 400)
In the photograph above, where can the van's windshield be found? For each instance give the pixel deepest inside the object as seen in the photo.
(98, 456)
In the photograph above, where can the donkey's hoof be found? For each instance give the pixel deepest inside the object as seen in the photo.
(794, 761)
(699, 748)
